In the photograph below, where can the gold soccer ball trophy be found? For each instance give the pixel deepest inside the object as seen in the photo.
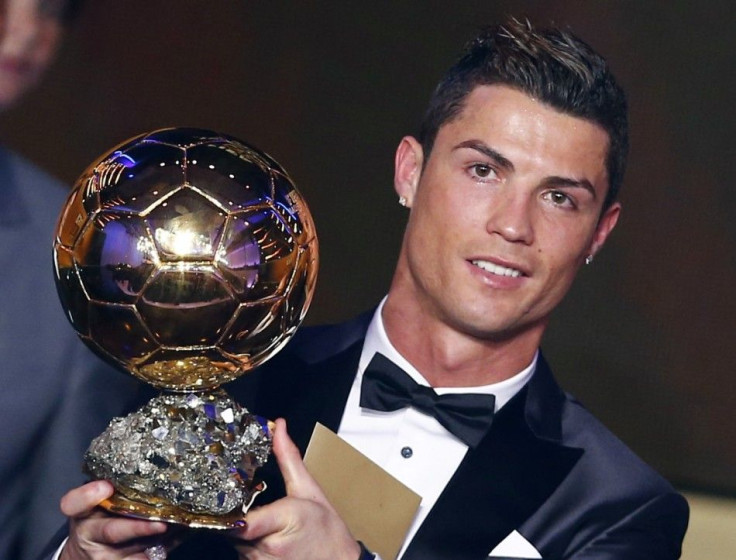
(187, 258)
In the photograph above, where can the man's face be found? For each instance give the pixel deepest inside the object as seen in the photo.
(503, 214)
(31, 30)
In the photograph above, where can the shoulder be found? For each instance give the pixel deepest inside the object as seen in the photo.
(611, 496)
(607, 455)
(613, 499)
(313, 344)
(22, 170)
(557, 415)
(291, 370)
(29, 195)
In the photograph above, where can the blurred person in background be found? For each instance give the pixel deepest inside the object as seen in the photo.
(53, 388)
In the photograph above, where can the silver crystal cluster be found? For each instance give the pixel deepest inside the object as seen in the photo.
(195, 451)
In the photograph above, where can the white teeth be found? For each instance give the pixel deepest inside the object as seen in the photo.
(497, 269)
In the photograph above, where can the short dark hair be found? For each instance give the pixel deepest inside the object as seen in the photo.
(551, 65)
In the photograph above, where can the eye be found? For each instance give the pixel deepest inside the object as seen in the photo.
(483, 172)
(559, 198)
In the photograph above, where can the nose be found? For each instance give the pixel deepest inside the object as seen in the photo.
(510, 216)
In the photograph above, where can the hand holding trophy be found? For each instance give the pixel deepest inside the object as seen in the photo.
(187, 258)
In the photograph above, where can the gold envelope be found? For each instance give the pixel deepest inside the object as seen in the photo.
(377, 508)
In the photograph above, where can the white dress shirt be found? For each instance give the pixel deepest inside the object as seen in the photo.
(411, 446)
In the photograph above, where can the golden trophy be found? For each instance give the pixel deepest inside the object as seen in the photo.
(187, 258)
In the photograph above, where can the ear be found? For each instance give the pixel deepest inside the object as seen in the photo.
(408, 168)
(605, 226)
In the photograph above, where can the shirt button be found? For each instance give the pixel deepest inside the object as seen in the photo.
(406, 452)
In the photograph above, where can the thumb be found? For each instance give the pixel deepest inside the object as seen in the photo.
(82, 501)
(299, 483)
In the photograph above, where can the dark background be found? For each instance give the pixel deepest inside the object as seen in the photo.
(646, 339)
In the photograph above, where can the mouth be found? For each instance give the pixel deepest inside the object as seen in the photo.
(497, 269)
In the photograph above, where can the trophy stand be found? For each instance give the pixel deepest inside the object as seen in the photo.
(186, 458)
(186, 258)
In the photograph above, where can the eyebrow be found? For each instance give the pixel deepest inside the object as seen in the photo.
(506, 163)
(567, 182)
(486, 150)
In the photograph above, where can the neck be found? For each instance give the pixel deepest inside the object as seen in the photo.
(449, 357)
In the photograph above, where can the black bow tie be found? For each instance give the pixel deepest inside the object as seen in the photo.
(386, 387)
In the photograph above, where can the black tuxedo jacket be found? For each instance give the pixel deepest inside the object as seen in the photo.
(547, 468)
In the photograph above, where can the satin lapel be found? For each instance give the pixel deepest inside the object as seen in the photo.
(496, 488)
(323, 396)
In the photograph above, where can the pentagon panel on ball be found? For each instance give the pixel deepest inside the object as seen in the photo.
(185, 257)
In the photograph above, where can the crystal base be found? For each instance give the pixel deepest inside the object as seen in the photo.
(185, 458)
(235, 519)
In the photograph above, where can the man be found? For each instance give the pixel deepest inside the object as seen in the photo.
(47, 374)
(511, 187)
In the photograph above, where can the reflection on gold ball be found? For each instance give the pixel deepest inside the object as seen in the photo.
(186, 257)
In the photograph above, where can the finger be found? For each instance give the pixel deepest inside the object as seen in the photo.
(299, 483)
(82, 501)
(295, 528)
(133, 550)
(265, 520)
(102, 535)
(118, 530)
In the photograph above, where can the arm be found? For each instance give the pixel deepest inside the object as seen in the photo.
(652, 532)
